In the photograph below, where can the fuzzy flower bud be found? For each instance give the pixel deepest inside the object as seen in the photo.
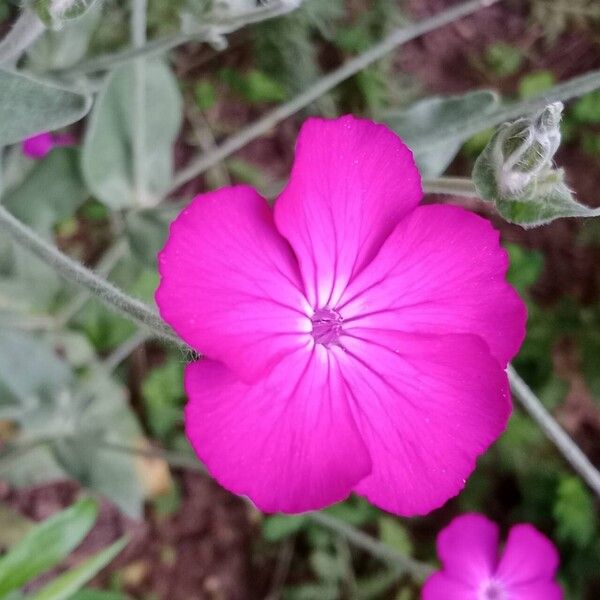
(524, 149)
(54, 12)
(517, 173)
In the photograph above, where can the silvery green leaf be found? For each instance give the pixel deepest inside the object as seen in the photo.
(428, 115)
(544, 206)
(52, 191)
(46, 404)
(27, 395)
(107, 153)
(146, 233)
(103, 413)
(56, 50)
(28, 106)
(55, 12)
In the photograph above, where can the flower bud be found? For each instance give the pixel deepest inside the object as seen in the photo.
(55, 12)
(516, 172)
(524, 149)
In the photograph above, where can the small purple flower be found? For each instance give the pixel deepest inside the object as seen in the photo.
(474, 570)
(39, 145)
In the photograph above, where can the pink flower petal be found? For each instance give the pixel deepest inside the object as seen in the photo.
(38, 146)
(230, 285)
(351, 183)
(442, 270)
(528, 556)
(289, 442)
(427, 406)
(441, 587)
(468, 548)
(537, 590)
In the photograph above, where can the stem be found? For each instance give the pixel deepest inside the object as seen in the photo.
(572, 88)
(166, 43)
(26, 30)
(138, 34)
(557, 435)
(324, 85)
(357, 537)
(105, 265)
(124, 350)
(74, 272)
(456, 186)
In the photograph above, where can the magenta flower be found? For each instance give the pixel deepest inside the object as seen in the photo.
(39, 145)
(353, 340)
(468, 549)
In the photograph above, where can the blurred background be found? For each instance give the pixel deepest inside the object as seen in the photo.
(66, 360)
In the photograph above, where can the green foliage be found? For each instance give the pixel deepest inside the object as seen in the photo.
(164, 397)
(64, 586)
(146, 233)
(587, 108)
(46, 406)
(427, 116)
(63, 48)
(52, 191)
(107, 158)
(254, 86)
(28, 106)
(46, 545)
(285, 49)
(575, 513)
(278, 527)
(534, 83)
(205, 94)
(503, 59)
(393, 534)
(372, 88)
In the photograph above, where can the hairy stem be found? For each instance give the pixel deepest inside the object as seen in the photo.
(456, 186)
(358, 538)
(324, 85)
(26, 30)
(557, 435)
(74, 272)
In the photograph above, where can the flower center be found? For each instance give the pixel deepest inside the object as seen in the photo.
(492, 590)
(326, 326)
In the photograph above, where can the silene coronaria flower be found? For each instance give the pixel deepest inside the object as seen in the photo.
(353, 340)
(40, 145)
(473, 569)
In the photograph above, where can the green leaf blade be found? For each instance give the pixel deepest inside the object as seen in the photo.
(72, 581)
(46, 545)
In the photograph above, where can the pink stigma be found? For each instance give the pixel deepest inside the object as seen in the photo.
(326, 326)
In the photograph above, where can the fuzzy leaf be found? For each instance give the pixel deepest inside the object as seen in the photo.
(437, 112)
(28, 106)
(107, 153)
(146, 233)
